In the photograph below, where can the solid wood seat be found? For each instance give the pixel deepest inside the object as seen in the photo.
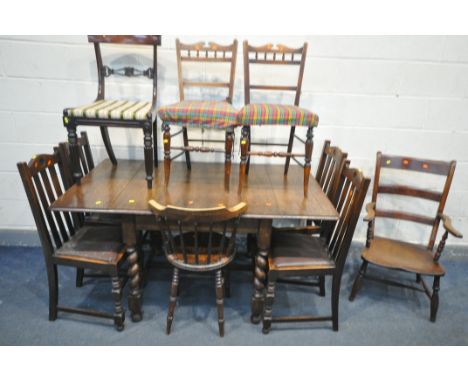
(97, 245)
(296, 251)
(404, 256)
(396, 254)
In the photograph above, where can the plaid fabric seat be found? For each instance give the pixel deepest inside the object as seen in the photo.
(113, 109)
(271, 114)
(206, 114)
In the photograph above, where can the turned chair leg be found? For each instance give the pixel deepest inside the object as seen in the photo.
(358, 281)
(322, 285)
(155, 143)
(249, 145)
(268, 305)
(335, 300)
(435, 298)
(79, 277)
(308, 157)
(220, 301)
(229, 142)
(108, 144)
(227, 282)
(119, 315)
(149, 160)
(74, 150)
(52, 278)
(167, 151)
(187, 153)
(172, 300)
(290, 146)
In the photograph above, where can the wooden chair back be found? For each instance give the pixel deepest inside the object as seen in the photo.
(106, 71)
(271, 55)
(349, 200)
(43, 184)
(85, 155)
(330, 168)
(206, 53)
(446, 169)
(201, 237)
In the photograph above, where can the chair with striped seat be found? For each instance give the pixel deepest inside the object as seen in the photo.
(267, 114)
(104, 112)
(204, 114)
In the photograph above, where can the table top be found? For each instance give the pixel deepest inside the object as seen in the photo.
(268, 193)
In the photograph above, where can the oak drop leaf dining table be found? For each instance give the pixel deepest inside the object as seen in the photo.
(121, 190)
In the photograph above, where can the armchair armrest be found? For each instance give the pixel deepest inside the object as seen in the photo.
(449, 227)
(370, 208)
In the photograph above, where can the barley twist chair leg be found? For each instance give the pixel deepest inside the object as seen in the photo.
(358, 281)
(268, 307)
(435, 298)
(220, 301)
(172, 300)
(119, 315)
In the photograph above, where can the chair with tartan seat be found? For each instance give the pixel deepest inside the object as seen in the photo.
(204, 114)
(106, 113)
(267, 114)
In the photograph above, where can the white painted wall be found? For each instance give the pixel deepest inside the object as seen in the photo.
(399, 94)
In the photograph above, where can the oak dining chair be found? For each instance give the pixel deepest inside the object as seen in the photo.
(65, 241)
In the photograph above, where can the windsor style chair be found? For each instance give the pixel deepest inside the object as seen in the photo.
(399, 255)
(301, 254)
(204, 114)
(65, 241)
(198, 240)
(106, 113)
(276, 114)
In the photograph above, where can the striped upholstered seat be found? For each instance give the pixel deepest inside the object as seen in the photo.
(206, 114)
(113, 109)
(272, 114)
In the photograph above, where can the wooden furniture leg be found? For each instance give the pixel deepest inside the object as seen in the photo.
(119, 315)
(244, 144)
(79, 277)
(270, 298)
(358, 282)
(228, 152)
(172, 300)
(264, 243)
(435, 298)
(187, 153)
(290, 145)
(220, 301)
(308, 157)
(149, 161)
(167, 151)
(155, 142)
(74, 150)
(135, 293)
(108, 144)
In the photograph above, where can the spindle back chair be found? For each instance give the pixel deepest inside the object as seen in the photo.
(204, 114)
(397, 254)
(117, 113)
(199, 240)
(64, 240)
(300, 254)
(274, 114)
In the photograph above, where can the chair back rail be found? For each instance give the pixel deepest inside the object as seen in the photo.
(209, 52)
(270, 55)
(105, 71)
(350, 198)
(43, 185)
(200, 237)
(423, 166)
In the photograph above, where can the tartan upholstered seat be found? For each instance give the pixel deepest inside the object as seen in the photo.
(272, 114)
(206, 114)
(114, 110)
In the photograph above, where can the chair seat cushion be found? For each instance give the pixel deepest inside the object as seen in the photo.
(205, 114)
(400, 255)
(114, 110)
(272, 114)
(298, 251)
(93, 244)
